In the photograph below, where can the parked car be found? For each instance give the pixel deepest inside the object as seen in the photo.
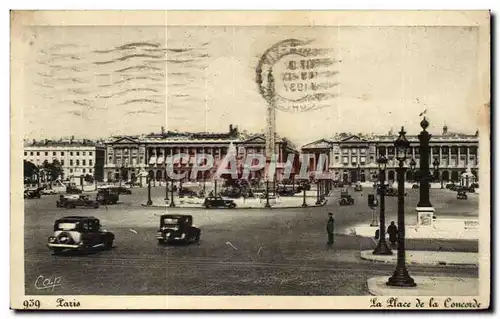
(358, 188)
(461, 195)
(79, 233)
(107, 196)
(122, 190)
(346, 199)
(415, 186)
(286, 192)
(73, 190)
(450, 185)
(74, 201)
(218, 202)
(177, 228)
(33, 193)
(47, 191)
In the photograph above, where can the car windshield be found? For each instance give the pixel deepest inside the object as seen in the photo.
(170, 221)
(67, 226)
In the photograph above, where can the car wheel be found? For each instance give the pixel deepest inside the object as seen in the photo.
(108, 244)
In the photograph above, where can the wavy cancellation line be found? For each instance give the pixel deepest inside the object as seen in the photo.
(128, 46)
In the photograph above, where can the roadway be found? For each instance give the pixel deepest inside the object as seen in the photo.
(242, 252)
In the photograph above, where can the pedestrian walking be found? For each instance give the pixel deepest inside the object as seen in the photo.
(392, 230)
(330, 226)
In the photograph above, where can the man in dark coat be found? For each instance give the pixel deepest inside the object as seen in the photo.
(330, 225)
(392, 230)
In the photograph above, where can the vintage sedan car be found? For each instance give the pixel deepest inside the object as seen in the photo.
(177, 228)
(218, 202)
(33, 193)
(358, 188)
(73, 190)
(76, 200)
(107, 196)
(48, 191)
(461, 195)
(79, 233)
(415, 186)
(345, 199)
(122, 190)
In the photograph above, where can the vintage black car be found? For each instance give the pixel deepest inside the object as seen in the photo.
(358, 188)
(73, 190)
(33, 193)
(285, 191)
(79, 233)
(177, 228)
(107, 196)
(346, 199)
(415, 186)
(73, 201)
(218, 202)
(461, 195)
(122, 190)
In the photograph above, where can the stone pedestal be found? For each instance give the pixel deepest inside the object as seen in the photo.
(425, 217)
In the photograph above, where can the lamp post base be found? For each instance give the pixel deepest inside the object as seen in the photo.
(304, 205)
(374, 223)
(401, 278)
(382, 248)
(149, 203)
(172, 204)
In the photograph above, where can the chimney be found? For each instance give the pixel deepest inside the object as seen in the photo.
(34, 141)
(477, 133)
(445, 129)
(230, 128)
(163, 130)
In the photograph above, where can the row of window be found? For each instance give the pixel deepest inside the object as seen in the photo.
(61, 153)
(390, 150)
(83, 170)
(84, 162)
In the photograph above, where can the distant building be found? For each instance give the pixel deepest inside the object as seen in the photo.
(77, 157)
(137, 156)
(353, 157)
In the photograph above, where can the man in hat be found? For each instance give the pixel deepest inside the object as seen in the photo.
(329, 228)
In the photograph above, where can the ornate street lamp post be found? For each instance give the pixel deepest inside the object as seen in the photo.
(401, 278)
(304, 204)
(149, 202)
(267, 194)
(413, 164)
(424, 205)
(435, 164)
(358, 171)
(318, 189)
(172, 203)
(382, 248)
(374, 222)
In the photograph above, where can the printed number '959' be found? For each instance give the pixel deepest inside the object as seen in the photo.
(31, 304)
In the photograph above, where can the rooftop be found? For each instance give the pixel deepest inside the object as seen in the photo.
(63, 142)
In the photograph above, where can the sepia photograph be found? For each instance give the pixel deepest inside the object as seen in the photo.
(250, 160)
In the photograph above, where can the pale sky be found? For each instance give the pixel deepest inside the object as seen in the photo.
(99, 81)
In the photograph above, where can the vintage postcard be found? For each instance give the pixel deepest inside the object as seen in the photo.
(250, 160)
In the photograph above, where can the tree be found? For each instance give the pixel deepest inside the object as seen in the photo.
(54, 169)
(30, 169)
(89, 178)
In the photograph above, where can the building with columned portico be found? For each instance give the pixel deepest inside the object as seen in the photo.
(353, 157)
(131, 158)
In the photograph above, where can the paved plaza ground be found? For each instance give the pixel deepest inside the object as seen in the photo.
(242, 252)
